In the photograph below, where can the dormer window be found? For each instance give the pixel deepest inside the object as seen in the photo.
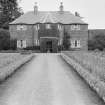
(48, 26)
(21, 27)
(75, 27)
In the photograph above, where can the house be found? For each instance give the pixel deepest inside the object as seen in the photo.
(47, 29)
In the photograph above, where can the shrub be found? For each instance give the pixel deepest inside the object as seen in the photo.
(13, 44)
(4, 39)
(98, 42)
(66, 41)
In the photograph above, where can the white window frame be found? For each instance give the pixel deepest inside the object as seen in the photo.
(37, 27)
(78, 44)
(60, 42)
(37, 42)
(75, 27)
(48, 26)
(21, 27)
(75, 44)
(72, 43)
(24, 44)
(59, 27)
(21, 44)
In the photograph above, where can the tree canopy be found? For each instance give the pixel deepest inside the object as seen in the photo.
(66, 41)
(9, 11)
(98, 42)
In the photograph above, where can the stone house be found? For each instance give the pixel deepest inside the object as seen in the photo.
(46, 29)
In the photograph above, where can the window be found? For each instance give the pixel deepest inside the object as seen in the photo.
(75, 27)
(75, 44)
(48, 26)
(21, 27)
(78, 44)
(59, 27)
(37, 27)
(21, 44)
(72, 43)
(37, 42)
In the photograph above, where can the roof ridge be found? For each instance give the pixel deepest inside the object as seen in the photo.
(49, 17)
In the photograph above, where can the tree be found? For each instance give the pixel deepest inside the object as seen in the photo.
(98, 42)
(66, 41)
(4, 39)
(9, 12)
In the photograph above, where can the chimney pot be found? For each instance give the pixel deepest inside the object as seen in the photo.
(35, 8)
(61, 7)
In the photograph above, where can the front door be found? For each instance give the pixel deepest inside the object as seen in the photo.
(49, 46)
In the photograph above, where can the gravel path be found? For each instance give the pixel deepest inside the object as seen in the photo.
(47, 80)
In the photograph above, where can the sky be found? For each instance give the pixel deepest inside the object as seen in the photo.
(92, 11)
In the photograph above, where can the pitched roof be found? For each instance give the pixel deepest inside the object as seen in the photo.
(48, 17)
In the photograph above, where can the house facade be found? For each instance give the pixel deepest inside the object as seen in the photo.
(47, 29)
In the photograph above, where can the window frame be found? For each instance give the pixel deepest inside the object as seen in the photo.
(21, 43)
(48, 26)
(75, 44)
(37, 27)
(75, 27)
(21, 27)
(59, 27)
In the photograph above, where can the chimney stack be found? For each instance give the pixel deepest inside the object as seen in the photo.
(77, 14)
(35, 8)
(61, 7)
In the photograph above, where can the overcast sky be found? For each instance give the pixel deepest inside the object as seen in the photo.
(93, 11)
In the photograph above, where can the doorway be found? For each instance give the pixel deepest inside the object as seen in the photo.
(49, 46)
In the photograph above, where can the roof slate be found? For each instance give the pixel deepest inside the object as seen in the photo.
(48, 17)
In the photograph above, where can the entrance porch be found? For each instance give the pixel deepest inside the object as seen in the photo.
(49, 44)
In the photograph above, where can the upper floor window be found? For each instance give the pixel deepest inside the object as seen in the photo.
(48, 26)
(21, 27)
(75, 27)
(37, 27)
(59, 27)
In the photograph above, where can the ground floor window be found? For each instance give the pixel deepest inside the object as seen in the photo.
(75, 44)
(37, 42)
(60, 42)
(21, 44)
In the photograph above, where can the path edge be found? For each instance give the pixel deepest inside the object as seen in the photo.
(97, 85)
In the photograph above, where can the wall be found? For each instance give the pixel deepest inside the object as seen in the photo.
(30, 35)
(81, 35)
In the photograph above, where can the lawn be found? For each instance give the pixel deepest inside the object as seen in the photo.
(90, 66)
(94, 62)
(9, 62)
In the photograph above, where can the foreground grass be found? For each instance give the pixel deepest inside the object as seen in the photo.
(9, 62)
(94, 62)
(90, 66)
